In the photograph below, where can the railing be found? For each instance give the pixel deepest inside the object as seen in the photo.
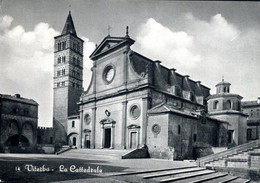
(230, 151)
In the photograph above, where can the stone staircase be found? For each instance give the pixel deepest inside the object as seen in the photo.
(241, 160)
(192, 174)
(96, 153)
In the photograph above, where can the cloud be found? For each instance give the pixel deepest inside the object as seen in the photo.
(206, 50)
(160, 42)
(27, 63)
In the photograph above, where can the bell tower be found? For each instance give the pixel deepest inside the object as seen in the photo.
(68, 73)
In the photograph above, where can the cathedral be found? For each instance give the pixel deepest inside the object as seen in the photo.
(133, 101)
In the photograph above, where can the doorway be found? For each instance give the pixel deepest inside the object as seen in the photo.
(133, 138)
(107, 138)
(87, 141)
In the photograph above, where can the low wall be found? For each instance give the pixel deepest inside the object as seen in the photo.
(48, 148)
(137, 153)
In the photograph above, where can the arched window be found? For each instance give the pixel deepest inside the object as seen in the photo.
(59, 60)
(179, 129)
(74, 141)
(73, 124)
(215, 105)
(64, 59)
(74, 60)
(228, 104)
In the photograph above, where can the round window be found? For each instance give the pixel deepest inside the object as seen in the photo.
(156, 129)
(135, 111)
(87, 118)
(109, 73)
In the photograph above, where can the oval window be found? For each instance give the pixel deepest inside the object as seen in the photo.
(135, 111)
(87, 118)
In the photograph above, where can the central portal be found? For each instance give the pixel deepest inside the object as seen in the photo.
(107, 138)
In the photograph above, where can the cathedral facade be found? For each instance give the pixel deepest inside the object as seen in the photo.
(131, 102)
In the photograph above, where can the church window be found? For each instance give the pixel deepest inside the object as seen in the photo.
(59, 46)
(87, 119)
(238, 106)
(179, 129)
(78, 47)
(73, 124)
(215, 105)
(194, 137)
(74, 60)
(224, 89)
(58, 73)
(156, 129)
(135, 111)
(78, 62)
(228, 90)
(63, 59)
(59, 60)
(228, 104)
(63, 71)
(63, 45)
(109, 74)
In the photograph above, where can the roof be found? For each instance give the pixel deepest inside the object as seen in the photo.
(223, 83)
(109, 44)
(18, 98)
(69, 26)
(167, 108)
(250, 103)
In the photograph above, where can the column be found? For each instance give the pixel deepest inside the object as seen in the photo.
(112, 136)
(93, 130)
(124, 119)
(81, 139)
(103, 136)
(144, 120)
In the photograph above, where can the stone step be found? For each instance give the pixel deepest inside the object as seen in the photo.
(173, 172)
(210, 177)
(186, 176)
(224, 179)
(141, 173)
(240, 180)
(200, 178)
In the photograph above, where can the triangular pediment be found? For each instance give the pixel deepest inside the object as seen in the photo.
(110, 44)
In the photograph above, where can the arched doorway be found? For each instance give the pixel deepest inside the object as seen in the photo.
(74, 141)
(15, 141)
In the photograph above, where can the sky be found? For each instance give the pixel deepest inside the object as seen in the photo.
(206, 40)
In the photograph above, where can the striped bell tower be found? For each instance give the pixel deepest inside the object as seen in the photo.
(68, 73)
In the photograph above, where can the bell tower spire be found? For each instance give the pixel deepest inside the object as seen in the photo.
(68, 73)
(69, 26)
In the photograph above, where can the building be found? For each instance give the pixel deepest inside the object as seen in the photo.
(252, 109)
(68, 75)
(227, 106)
(18, 125)
(133, 101)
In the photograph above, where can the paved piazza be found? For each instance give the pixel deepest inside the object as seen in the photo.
(80, 168)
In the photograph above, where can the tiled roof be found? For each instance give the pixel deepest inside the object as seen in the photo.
(18, 99)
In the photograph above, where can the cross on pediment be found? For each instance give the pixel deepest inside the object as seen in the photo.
(108, 30)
